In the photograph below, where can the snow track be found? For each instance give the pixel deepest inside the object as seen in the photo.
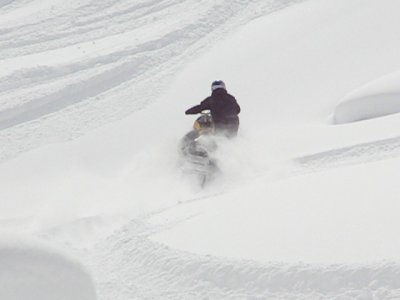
(356, 154)
(129, 263)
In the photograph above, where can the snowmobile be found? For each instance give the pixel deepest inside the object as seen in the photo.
(198, 147)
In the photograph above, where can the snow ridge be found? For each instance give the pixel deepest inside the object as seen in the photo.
(153, 271)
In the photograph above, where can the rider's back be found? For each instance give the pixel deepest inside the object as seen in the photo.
(223, 106)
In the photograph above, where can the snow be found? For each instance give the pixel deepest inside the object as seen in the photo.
(91, 113)
(33, 269)
(376, 99)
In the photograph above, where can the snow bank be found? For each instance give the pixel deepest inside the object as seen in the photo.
(33, 270)
(378, 98)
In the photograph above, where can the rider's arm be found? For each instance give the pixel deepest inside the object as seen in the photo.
(204, 105)
(194, 110)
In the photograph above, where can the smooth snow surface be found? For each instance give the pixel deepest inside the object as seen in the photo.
(92, 95)
(34, 270)
(378, 98)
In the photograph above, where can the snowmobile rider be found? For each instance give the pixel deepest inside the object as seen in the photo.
(223, 108)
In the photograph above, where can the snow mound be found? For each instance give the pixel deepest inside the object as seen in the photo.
(36, 271)
(378, 98)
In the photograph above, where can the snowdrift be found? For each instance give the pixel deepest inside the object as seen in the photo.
(34, 270)
(378, 98)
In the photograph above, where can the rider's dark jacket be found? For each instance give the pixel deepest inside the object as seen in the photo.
(223, 107)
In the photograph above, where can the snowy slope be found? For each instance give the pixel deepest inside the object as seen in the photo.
(96, 62)
(91, 112)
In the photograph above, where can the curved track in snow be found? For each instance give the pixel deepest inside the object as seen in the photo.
(129, 265)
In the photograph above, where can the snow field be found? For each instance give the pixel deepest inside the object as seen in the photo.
(304, 209)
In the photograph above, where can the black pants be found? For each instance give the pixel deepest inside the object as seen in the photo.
(228, 128)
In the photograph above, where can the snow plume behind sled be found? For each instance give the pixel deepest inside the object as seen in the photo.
(198, 149)
(198, 160)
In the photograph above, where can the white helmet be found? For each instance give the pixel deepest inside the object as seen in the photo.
(218, 84)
